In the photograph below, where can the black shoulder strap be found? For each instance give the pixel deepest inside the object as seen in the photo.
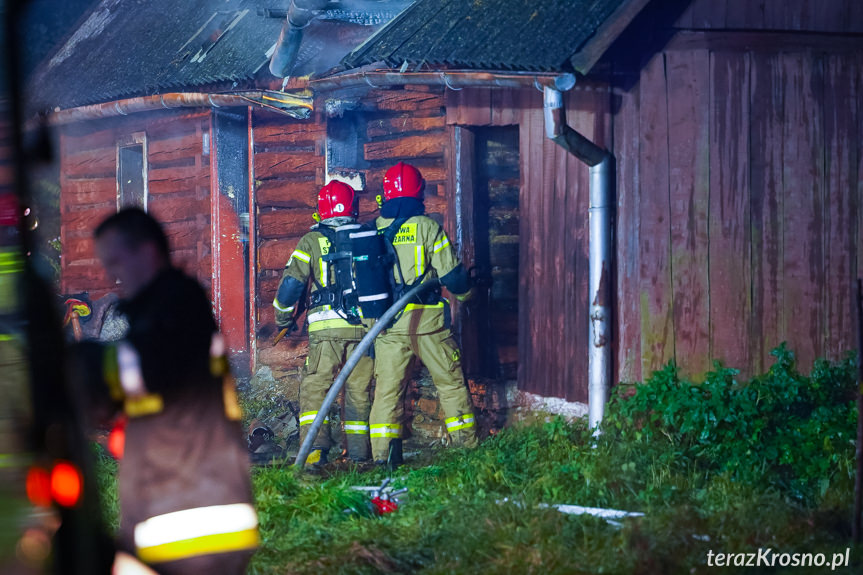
(330, 234)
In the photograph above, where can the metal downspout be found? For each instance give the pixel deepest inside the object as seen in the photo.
(600, 162)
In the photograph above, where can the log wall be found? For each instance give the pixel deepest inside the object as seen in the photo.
(289, 165)
(178, 191)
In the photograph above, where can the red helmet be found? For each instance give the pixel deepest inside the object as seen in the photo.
(403, 181)
(336, 199)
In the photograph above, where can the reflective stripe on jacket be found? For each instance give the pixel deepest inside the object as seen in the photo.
(422, 247)
(198, 531)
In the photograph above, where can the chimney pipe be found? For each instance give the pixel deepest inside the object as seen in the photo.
(300, 14)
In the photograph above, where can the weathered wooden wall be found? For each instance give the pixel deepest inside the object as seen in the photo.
(288, 169)
(178, 191)
(738, 202)
(834, 16)
(739, 189)
(553, 203)
(289, 164)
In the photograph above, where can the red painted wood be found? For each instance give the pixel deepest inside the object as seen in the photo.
(504, 110)
(767, 207)
(586, 110)
(177, 145)
(842, 142)
(404, 100)
(688, 76)
(284, 222)
(560, 351)
(286, 165)
(274, 254)
(80, 192)
(730, 266)
(403, 124)
(96, 163)
(627, 322)
(655, 297)
(858, 196)
(430, 144)
(183, 206)
(840, 16)
(803, 183)
(530, 267)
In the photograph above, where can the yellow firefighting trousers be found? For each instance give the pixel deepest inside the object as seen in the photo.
(327, 355)
(440, 354)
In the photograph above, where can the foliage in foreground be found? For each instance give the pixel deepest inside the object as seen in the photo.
(726, 466)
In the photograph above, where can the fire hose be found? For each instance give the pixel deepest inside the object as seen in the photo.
(380, 325)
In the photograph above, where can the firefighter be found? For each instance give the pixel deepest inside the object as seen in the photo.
(335, 325)
(184, 485)
(422, 252)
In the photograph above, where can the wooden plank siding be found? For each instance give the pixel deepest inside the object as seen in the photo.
(835, 16)
(553, 232)
(178, 191)
(841, 204)
(729, 258)
(655, 280)
(738, 212)
(755, 241)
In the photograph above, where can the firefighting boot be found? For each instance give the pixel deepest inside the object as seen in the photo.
(394, 458)
(317, 458)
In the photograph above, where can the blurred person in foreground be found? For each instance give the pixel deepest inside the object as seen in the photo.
(184, 485)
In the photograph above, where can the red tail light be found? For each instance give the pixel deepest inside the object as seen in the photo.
(66, 484)
(38, 486)
(117, 438)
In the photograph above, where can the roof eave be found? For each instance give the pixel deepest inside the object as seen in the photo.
(592, 50)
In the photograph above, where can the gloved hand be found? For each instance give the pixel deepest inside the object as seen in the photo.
(285, 320)
(467, 296)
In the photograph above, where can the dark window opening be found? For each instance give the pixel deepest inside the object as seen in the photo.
(346, 137)
(131, 176)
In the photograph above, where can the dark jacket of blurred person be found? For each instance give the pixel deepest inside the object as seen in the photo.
(184, 486)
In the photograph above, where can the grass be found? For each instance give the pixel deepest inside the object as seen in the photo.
(725, 466)
(456, 520)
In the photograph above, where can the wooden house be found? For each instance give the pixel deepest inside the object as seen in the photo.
(170, 106)
(734, 127)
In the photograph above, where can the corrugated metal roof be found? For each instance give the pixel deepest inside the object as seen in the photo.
(128, 48)
(136, 47)
(529, 35)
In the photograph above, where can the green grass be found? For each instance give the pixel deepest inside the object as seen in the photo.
(727, 466)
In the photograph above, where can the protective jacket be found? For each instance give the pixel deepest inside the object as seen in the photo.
(333, 335)
(184, 486)
(422, 252)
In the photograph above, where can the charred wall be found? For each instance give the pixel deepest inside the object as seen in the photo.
(376, 130)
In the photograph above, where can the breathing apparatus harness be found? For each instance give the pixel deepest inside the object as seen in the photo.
(359, 261)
